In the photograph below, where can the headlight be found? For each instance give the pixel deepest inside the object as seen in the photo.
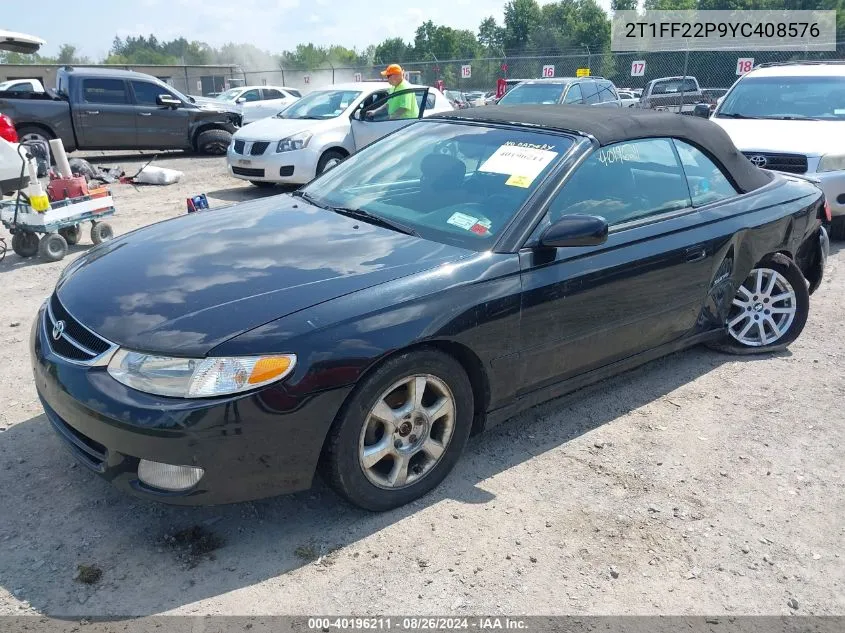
(295, 142)
(832, 162)
(197, 377)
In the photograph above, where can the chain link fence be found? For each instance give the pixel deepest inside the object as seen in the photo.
(713, 69)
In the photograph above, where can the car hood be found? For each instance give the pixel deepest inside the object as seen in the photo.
(184, 286)
(812, 138)
(273, 129)
(212, 105)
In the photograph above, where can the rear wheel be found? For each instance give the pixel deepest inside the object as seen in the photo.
(769, 310)
(33, 133)
(52, 247)
(837, 228)
(100, 232)
(25, 244)
(401, 432)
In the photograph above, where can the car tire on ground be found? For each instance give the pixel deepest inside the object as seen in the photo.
(213, 142)
(33, 133)
(100, 232)
(25, 244)
(769, 310)
(401, 430)
(261, 184)
(329, 160)
(71, 234)
(837, 228)
(52, 247)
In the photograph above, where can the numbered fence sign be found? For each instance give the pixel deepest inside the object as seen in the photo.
(466, 71)
(359, 77)
(638, 68)
(548, 71)
(307, 79)
(744, 65)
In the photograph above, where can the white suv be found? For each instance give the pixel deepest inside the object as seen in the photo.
(791, 118)
(319, 131)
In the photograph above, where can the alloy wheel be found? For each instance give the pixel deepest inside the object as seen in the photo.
(763, 309)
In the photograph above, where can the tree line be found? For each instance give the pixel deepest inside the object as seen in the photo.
(558, 28)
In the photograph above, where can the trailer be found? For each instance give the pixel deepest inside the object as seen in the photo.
(48, 234)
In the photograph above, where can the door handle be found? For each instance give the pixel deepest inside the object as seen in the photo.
(145, 114)
(92, 112)
(696, 253)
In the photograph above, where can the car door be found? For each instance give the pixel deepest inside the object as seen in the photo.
(608, 97)
(159, 126)
(573, 95)
(104, 115)
(272, 102)
(250, 103)
(586, 307)
(365, 131)
(590, 92)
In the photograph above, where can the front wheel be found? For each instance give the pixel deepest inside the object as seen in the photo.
(769, 310)
(52, 247)
(72, 234)
(401, 432)
(25, 244)
(329, 160)
(214, 142)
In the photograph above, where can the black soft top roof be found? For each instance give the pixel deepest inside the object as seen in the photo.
(615, 125)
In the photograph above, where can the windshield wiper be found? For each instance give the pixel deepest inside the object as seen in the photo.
(358, 214)
(736, 115)
(366, 216)
(791, 118)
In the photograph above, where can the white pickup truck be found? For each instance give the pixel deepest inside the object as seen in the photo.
(21, 85)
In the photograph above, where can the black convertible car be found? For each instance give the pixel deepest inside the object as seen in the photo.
(437, 282)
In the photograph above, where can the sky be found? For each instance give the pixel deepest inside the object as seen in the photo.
(273, 25)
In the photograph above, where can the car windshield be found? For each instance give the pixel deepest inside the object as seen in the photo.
(786, 98)
(453, 183)
(229, 95)
(533, 93)
(323, 104)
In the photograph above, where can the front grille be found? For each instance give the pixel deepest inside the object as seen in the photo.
(239, 147)
(75, 341)
(792, 163)
(245, 171)
(259, 147)
(89, 452)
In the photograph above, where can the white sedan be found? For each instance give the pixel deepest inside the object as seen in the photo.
(319, 131)
(258, 102)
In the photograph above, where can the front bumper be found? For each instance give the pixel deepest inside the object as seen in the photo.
(298, 167)
(251, 446)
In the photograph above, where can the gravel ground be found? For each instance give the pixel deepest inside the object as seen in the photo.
(698, 484)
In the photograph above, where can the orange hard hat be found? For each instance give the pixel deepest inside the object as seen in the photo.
(393, 69)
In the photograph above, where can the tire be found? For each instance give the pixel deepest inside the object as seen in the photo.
(837, 228)
(100, 232)
(754, 296)
(261, 184)
(52, 247)
(34, 133)
(25, 244)
(213, 142)
(329, 160)
(72, 234)
(356, 428)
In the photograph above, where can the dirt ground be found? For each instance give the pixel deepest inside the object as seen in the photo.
(699, 484)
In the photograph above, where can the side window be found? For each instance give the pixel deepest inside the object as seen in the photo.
(399, 106)
(590, 92)
(21, 87)
(624, 182)
(430, 101)
(251, 95)
(606, 91)
(573, 95)
(707, 183)
(105, 91)
(147, 93)
(270, 93)
(295, 93)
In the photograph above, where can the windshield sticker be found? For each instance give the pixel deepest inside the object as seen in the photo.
(619, 154)
(838, 111)
(519, 181)
(463, 221)
(513, 160)
(479, 229)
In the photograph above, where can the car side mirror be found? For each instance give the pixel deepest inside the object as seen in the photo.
(167, 100)
(240, 100)
(702, 110)
(575, 230)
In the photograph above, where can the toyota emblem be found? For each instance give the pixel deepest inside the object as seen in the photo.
(58, 330)
(759, 160)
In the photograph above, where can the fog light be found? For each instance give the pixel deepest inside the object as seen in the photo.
(168, 476)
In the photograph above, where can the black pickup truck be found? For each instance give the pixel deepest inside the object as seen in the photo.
(108, 109)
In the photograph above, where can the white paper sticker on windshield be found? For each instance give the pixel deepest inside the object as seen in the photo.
(462, 220)
(838, 111)
(513, 160)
